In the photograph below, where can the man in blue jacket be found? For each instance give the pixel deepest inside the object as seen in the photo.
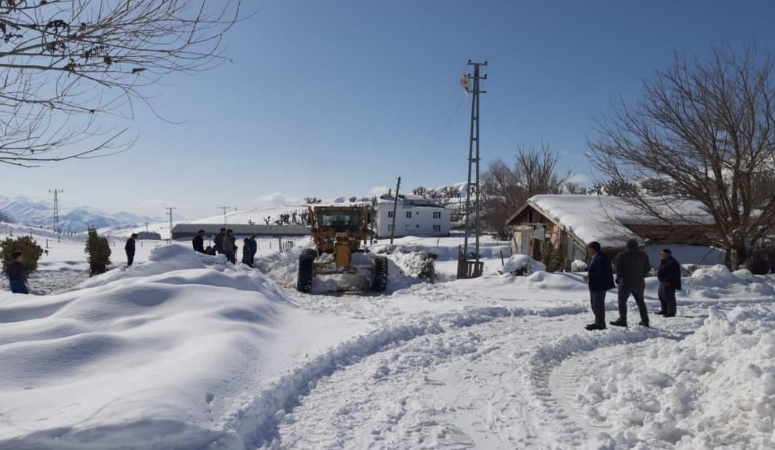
(17, 274)
(669, 276)
(600, 278)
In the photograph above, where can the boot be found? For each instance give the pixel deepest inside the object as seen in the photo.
(594, 326)
(619, 322)
(644, 324)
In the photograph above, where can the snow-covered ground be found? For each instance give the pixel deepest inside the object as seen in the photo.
(184, 351)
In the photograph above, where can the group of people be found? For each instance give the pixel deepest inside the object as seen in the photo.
(632, 268)
(225, 243)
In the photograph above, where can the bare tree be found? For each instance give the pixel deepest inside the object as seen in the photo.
(420, 191)
(66, 63)
(709, 129)
(506, 188)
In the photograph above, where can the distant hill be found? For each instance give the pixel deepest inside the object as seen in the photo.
(38, 213)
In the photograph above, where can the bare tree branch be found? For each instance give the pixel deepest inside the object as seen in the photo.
(703, 131)
(64, 63)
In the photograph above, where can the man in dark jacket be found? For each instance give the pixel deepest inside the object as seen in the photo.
(230, 246)
(600, 278)
(199, 242)
(253, 247)
(632, 267)
(17, 274)
(218, 241)
(669, 276)
(130, 249)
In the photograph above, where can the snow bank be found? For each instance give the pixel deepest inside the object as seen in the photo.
(156, 356)
(715, 389)
(718, 282)
(578, 266)
(522, 264)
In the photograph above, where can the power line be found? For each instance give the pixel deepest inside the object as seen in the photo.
(169, 213)
(471, 85)
(56, 193)
(224, 208)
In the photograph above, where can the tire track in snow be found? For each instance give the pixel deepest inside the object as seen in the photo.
(256, 423)
(555, 368)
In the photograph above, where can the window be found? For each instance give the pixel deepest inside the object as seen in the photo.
(437, 215)
(437, 228)
(408, 214)
(390, 227)
(390, 214)
(336, 218)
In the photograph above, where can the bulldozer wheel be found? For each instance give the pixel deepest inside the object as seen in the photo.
(380, 274)
(304, 277)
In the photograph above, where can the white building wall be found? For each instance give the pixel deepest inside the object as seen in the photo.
(423, 221)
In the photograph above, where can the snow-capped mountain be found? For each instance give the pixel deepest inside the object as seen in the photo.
(39, 213)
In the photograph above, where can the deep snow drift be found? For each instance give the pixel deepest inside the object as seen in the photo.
(714, 389)
(158, 356)
(185, 351)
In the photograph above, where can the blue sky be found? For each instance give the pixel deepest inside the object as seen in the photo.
(331, 98)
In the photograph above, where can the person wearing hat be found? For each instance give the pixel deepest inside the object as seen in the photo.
(199, 242)
(669, 276)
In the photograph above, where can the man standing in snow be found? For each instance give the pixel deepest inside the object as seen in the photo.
(253, 248)
(600, 278)
(199, 242)
(130, 249)
(669, 276)
(632, 267)
(230, 247)
(218, 241)
(17, 274)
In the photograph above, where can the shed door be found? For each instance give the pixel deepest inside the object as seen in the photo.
(524, 245)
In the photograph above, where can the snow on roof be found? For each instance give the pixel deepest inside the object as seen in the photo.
(605, 218)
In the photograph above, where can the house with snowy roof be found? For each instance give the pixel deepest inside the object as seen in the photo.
(570, 222)
(414, 216)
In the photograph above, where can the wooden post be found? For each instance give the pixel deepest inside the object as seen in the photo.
(395, 208)
(503, 263)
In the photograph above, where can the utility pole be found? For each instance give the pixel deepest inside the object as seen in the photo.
(224, 208)
(395, 208)
(169, 213)
(56, 210)
(471, 84)
(146, 227)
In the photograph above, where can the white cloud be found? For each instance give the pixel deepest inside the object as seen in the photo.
(277, 199)
(579, 178)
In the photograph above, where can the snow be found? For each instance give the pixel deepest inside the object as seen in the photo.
(522, 264)
(605, 218)
(578, 266)
(187, 351)
(166, 351)
(714, 389)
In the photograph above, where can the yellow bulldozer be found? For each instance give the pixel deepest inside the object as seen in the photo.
(339, 233)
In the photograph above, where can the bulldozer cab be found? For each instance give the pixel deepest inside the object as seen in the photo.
(339, 229)
(338, 232)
